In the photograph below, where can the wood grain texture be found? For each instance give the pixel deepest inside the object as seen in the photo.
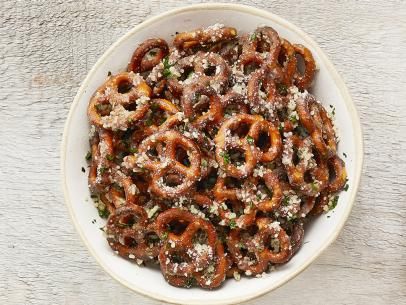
(46, 49)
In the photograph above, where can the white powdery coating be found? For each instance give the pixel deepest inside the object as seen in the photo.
(117, 119)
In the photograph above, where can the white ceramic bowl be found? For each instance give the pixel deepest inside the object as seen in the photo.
(329, 88)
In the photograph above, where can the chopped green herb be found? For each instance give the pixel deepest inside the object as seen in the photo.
(282, 89)
(315, 186)
(346, 187)
(133, 150)
(204, 163)
(281, 127)
(83, 169)
(102, 229)
(345, 155)
(88, 156)
(250, 140)
(164, 235)
(94, 196)
(226, 157)
(270, 165)
(253, 36)
(94, 221)
(285, 201)
(103, 212)
(333, 203)
(102, 170)
(190, 74)
(109, 73)
(233, 224)
(293, 119)
(152, 53)
(149, 121)
(167, 66)
(110, 157)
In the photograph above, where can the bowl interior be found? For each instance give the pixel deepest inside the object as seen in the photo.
(328, 88)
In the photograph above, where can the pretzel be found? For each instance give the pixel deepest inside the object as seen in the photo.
(168, 164)
(258, 246)
(210, 35)
(119, 95)
(288, 62)
(138, 61)
(196, 257)
(190, 102)
(318, 172)
(314, 118)
(340, 175)
(252, 153)
(304, 81)
(128, 233)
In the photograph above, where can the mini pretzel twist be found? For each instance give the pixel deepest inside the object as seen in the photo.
(306, 168)
(168, 142)
(211, 35)
(120, 102)
(252, 153)
(258, 247)
(303, 81)
(127, 233)
(183, 257)
(315, 119)
(140, 61)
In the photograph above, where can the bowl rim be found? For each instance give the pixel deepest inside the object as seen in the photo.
(332, 71)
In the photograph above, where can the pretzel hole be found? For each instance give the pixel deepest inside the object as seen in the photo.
(129, 242)
(128, 220)
(176, 258)
(307, 177)
(153, 53)
(210, 70)
(235, 206)
(152, 239)
(272, 244)
(301, 64)
(282, 57)
(187, 73)
(332, 174)
(264, 141)
(263, 46)
(251, 67)
(104, 108)
(231, 182)
(182, 157)
(241, 130)
(295, 156)
(124, 86)
(208, 182)
(153, 153)
(177, 227)
(263, 189)
(237, 156)
(201, 103)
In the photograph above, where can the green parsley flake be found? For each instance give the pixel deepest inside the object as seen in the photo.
(233, 224)
(110, 157)
(226, 157)
(253, 36)
(333, 203)
(250, 140)
(88, 156)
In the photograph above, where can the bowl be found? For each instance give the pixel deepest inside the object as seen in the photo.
(328, 87)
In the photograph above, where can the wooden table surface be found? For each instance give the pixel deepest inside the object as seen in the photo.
(47, 48)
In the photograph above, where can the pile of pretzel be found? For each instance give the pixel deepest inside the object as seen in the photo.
(210, 155)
